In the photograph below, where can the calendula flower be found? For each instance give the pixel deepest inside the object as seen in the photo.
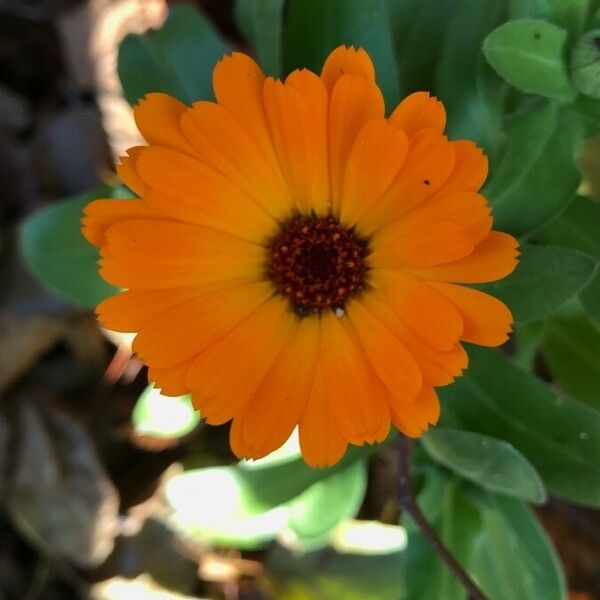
(294, 256)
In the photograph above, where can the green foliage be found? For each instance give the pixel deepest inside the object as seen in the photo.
(560, 437)
(571, 350)
(495, 538)
(55, 250)
(350, 22)
(585, 64)
(521, 78)
(178, 59)
(546, 277)
(229, 505)
(493, 464)
(536, 176)
(528, 53)
(261, 21)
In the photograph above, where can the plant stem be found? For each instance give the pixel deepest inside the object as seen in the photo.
(407, 500)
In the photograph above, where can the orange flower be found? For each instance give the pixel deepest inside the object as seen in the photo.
(294, 256)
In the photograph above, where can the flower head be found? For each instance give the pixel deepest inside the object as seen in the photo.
(295, 257)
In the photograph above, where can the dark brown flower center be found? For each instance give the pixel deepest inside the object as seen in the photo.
(317, 263)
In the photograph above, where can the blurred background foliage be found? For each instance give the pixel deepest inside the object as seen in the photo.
(112, 491)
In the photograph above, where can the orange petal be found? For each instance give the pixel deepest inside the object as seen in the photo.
(321, 441)
(227, 374)
(494, 258)
(310, 87)
(127, 172)
(353, 392)
(159, 254)
(171, 381)
(220, 141)
(429, 162)
(376, 157)
(437, 367)
(100, 215)
(190, 191)
(487, 320)
(470, 168)
(468, 210)
(157, 117)
(419, 111)
(129, 311)
(412, 419)
(395, 367)
(299, 138)
(354, 102)
(347, 61)
(238, 84)
(424, 245)
(277, 406)
(184, 331)
(423, 309)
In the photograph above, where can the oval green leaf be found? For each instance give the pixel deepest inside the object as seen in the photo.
(322, 506)
(57, 253)
(529, 54)
(490, 463)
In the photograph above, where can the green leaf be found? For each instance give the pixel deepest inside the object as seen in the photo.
(471, 91)
(493, 464)
(571, 350)
(412, 22)
(177, 59)
(536, 176)
(578, 227)
(57, 253)
(512, 556)
(329, 575)
(546, 277)
(559, 436)
(164, 416)
(261, 22)
(457, 524)
(313, 29)
(528, 54)
(585, 64)
(218, 505)
(246, 505)
(322, 506)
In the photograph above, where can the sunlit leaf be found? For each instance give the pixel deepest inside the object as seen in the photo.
(316, 511)
(493, 464)
(163, 416)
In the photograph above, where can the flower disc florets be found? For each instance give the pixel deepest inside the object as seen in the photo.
(317, 263)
